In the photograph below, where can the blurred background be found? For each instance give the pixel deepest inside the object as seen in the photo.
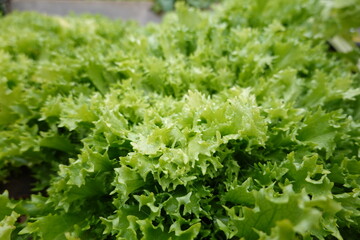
(143, 11)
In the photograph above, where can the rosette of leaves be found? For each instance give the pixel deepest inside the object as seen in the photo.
(233, 124)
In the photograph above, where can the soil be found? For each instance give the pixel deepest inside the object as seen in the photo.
(19, 183)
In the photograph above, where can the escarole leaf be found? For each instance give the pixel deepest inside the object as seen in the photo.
(290, 209)
(52, 226)
(8, 217)
(7, 226)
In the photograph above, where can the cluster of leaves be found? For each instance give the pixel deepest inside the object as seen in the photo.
(236, 123)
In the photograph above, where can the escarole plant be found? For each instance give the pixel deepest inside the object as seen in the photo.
(237, 123)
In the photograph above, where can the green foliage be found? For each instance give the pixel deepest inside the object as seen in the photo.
(169, 5)
(234, 124)
(8, 217)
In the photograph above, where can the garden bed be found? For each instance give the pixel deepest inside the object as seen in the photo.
(127, 10)
(242, 123)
